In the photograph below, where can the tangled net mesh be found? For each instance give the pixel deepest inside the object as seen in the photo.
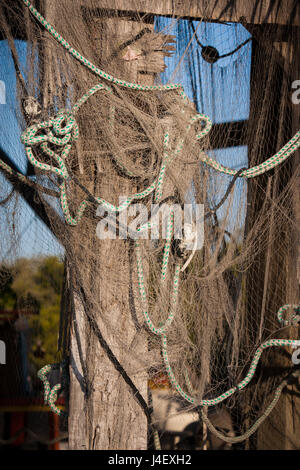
(230, 292)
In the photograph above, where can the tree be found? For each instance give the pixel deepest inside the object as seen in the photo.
(34, 286)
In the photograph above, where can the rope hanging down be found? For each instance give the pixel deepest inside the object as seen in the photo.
(50, 394)
(161, 331)
(234, 440)
(63, 130)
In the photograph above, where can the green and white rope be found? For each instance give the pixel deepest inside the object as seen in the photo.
(240, 385)
(65, 127)
(253, 428)
(12, 172)
(160, 180)
(293, 320)
(161, 331)
(50, 395)
(92, 67)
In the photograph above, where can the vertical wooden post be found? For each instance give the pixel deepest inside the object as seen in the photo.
(108, 415)
(272, 280)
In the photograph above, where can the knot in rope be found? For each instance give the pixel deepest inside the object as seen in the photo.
(59, 131)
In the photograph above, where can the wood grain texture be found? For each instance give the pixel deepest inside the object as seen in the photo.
(264, 11)
(110, 416)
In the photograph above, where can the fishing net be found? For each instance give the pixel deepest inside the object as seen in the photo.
(104, 130)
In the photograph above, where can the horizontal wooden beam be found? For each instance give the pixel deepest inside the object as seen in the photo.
(257, 12)
(228, 134)
(285, 12)
(39, 205)
(270, 33)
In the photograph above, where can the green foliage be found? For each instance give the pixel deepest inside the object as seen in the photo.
(36, 285)
(8, 296)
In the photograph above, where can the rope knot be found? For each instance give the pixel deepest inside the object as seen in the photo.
(60, 131)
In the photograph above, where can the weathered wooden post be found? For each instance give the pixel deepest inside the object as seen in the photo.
(110, 416)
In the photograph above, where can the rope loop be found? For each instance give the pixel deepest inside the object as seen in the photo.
(59, 131)
(63, 118)
(294, 318)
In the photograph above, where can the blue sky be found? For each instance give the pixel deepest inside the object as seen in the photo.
(32, 238)
(221, 90)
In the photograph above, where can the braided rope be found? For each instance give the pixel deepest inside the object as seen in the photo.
(156, 440)
(12, 172)
(50, 395)
(293, 320)
(292, 145)
(253, 428)
(161, 331)
(63, 130)
(231, 391)
(35, 437)
(91, 66)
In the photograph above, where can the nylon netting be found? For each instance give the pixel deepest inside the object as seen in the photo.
(100, 139)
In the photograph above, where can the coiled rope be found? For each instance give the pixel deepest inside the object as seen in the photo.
(63, 130)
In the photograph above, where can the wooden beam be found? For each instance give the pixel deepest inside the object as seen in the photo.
(228, 134)
(257, 12)
(41, 208)
(103, 372)
(253, 12)
(270, 33)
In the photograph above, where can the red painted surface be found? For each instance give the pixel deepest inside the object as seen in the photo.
(53, 430)
(17, 422)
